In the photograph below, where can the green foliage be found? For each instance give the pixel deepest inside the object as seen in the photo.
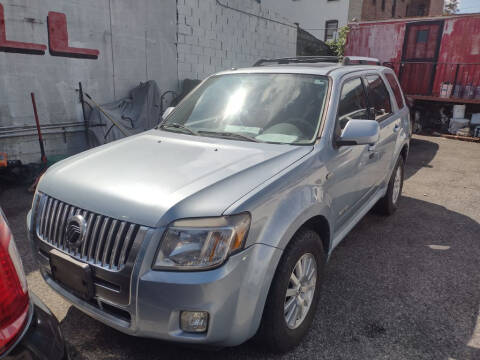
(451, 7)
(338, 45)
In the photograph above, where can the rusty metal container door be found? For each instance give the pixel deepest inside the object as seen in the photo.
(420, 55)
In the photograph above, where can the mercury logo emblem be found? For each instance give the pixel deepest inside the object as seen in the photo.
(75, 230)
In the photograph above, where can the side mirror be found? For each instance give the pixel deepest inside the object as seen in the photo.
(359, 132)
(167, 112)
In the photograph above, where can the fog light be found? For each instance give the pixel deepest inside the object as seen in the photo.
(194, 321)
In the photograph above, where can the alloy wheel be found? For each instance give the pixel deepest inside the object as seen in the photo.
(397, 184)
(300, 291)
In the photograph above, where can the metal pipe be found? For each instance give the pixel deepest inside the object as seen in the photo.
(120, 127)
(33, 134)
(17, 129)
(54, 132)
(44, 131)
(39, 131)
(44, 127)
(34, 126)
(82, 102)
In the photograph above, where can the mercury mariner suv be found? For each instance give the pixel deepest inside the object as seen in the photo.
(216, 225)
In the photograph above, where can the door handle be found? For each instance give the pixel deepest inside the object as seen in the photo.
(371, 150)
(396, 128)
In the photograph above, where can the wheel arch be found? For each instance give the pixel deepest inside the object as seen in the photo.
(321, 226)
(404, 152)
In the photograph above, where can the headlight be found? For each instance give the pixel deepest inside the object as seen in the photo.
(200, 244)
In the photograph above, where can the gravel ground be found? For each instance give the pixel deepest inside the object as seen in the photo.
(403, 287)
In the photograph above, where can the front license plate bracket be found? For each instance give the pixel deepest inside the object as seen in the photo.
(75, 275)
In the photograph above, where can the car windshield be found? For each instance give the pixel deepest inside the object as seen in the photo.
(274, 108)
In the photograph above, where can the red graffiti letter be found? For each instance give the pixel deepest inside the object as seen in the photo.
(16, 46)
(58, 39)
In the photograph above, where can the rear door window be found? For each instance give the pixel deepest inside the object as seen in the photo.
(352, 104)
(378, 97)
(397, 91)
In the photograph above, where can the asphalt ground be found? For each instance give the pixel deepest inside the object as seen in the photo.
(402, 287)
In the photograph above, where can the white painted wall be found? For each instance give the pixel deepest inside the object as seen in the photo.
(212, 38)
(311, 14)
(136, 40)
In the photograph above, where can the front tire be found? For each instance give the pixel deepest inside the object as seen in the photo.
(293, 296)
(389, 203)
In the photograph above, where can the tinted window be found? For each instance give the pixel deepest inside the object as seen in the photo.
(378, 97)
(396, 89)
(353, 102)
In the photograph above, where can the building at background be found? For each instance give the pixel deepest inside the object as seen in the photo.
(322, 18)
(387, 9)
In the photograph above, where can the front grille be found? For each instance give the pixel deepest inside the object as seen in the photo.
(107, 242)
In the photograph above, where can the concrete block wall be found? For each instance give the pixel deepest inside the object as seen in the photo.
(212, 38)
(136, 40)
(163, 40)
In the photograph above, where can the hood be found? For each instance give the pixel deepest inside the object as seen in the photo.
(157, 176)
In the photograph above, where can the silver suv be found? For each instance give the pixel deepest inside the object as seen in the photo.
(217, 225)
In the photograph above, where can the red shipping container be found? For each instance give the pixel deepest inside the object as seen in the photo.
(426, 53)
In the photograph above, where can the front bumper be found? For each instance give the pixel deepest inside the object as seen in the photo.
(233, 294)
(41, 339)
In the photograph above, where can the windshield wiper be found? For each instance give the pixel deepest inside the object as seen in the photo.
(179, 126)
(229, 135)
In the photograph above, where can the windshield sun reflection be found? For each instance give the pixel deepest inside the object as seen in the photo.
(235, 103)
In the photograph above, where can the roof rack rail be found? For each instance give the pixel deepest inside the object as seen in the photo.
(360, 60)
(298, 60)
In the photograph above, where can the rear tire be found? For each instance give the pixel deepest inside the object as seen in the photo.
(276, 333)
(389, 203)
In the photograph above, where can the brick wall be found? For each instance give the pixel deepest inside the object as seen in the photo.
(212, 38)
(382, 9)
(436, 7)
(355, 10)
